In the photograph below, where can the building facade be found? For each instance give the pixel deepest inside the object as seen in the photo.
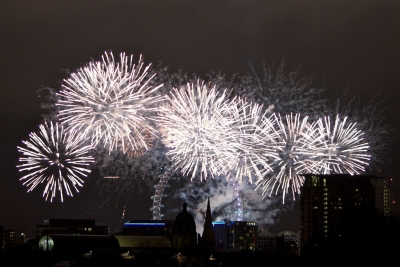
(148, 228)
(235, 235)
(342, 211)
(70, 227)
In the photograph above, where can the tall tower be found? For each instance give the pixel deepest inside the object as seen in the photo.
(208, 238)
(237, 203)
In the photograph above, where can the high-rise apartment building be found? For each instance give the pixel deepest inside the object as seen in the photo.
(342, 211)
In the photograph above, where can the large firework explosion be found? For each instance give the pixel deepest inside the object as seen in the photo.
(294, 144)
(111, 102)
(197, 124)
(344, 149)
(371, 120)
(255, 139)
(320, 148)
(275, 89)
(57, 158)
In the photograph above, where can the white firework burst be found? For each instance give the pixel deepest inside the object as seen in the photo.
(111, 102)
(57, 158)
(295, 144)
(343, 147)
(197, 124)
(256, 139)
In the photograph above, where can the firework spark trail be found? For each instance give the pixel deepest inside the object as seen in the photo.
(55, 157)
(112, 102)
(295, 143)
(197, 122)
(255, 142)
(344, 149)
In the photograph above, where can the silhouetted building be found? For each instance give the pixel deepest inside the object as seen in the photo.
(291, 242)
(1, 237)
(184, 236)
(284, 243)
(70, 227)
(270, 244)
(149, 228)
(396, 197)
(208, 238)
(235, 236)
(76, 244)
(342, 212)
(129, 241)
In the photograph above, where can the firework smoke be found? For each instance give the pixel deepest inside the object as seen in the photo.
(224, 200)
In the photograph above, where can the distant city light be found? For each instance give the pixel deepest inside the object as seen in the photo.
(111, 177)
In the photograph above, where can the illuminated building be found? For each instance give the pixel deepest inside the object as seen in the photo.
(148, 228)
(70, 227)
(235, 235)
(340, 212)
(383, 195)
(9, 237)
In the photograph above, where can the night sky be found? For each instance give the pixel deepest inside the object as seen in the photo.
(342, 43)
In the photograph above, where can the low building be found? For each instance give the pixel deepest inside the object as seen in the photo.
(270, 244)
(235, 235)
(70, 227)
(148, 228)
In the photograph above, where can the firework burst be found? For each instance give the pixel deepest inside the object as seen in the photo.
(111, 102)
(197, 123)
(57, 158)
(255, 141)
(343, 147)
(295, 144)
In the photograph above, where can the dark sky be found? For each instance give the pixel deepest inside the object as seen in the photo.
(341, 43)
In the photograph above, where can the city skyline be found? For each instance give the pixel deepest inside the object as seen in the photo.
(342, 46)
